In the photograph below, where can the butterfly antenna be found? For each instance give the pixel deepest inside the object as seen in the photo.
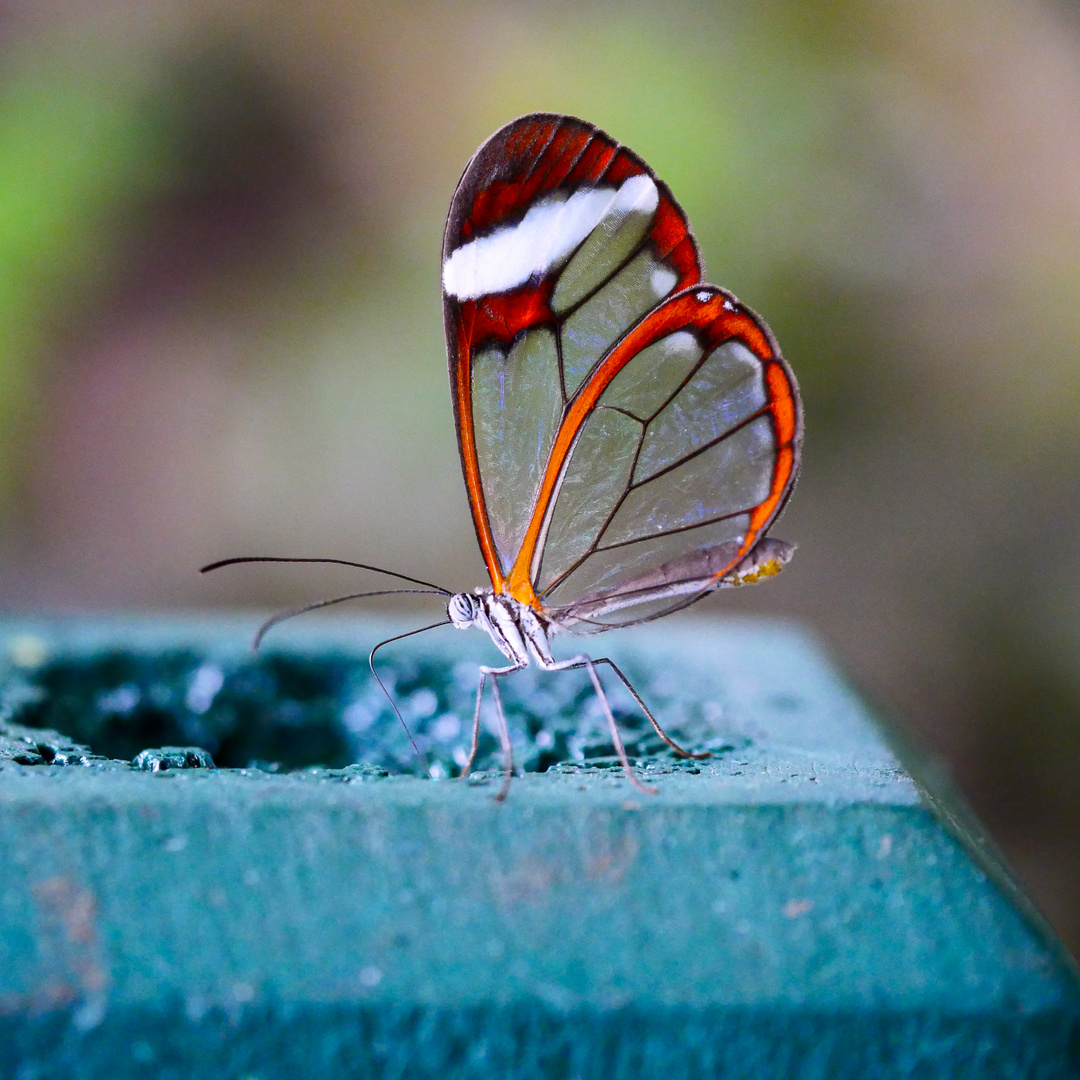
(389, 696)
(293, 612)
(337, 562)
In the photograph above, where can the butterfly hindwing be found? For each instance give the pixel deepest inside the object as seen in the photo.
(699, 422)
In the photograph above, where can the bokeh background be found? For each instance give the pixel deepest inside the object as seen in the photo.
(220, 325)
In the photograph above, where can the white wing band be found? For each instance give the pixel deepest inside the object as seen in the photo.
(550, 230)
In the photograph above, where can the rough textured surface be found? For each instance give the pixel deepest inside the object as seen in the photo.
(795, 907)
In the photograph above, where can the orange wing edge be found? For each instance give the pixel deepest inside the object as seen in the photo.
(719, 317)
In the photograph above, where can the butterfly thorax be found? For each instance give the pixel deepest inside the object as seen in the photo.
(519, 632)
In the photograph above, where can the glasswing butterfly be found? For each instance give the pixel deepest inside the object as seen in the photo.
(628, 434)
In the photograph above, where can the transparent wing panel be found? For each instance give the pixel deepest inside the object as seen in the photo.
(517, 403)
(596, 477)
(590, 330)
(724, 391)
(731, 475)
(643, 387)
(605, 569)
(613, 240)
(674, 585)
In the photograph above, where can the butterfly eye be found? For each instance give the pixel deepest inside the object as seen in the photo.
(463, 610)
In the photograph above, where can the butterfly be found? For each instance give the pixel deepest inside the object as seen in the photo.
(628, 434)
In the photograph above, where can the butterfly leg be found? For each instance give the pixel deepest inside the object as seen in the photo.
(680, 750)
(504, 735)
(475, 728)
(583, 661)
(501, 725)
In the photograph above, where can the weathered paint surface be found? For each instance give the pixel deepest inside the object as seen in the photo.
(796, 907)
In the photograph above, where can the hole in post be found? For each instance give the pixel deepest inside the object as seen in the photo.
(283, 711)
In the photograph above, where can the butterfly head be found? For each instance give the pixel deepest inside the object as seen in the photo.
(463, 610)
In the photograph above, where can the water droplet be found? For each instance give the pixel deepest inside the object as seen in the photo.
(166, 758)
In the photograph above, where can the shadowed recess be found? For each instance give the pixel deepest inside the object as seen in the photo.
(280, 711)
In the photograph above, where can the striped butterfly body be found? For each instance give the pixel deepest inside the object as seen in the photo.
(628, 434)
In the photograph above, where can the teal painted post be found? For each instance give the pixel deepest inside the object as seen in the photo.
(800, 905)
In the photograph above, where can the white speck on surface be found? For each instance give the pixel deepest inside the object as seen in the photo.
(704, 297)
(358, 717)
(176, 843)
(205, 683)
(90, 1014)
(794, 908)
(27, 651)
(446, 727)
(196, 1007)
(243, 992)
(423, 703)
(545, 739)
(121, 700)
(713, 712)
(370, 976)
(884, 846)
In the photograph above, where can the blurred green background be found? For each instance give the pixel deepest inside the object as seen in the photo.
(220, 325)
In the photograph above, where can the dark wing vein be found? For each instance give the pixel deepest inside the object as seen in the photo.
(763, 411)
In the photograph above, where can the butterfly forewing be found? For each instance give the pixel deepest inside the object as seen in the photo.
(557, 242)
